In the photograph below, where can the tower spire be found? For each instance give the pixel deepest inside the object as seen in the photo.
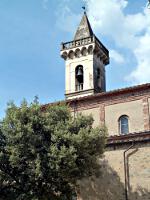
(84, 29)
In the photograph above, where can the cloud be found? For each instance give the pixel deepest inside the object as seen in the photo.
(128, 31)
(110, 19)
(142, 53)
(66, 19)
(116, 56)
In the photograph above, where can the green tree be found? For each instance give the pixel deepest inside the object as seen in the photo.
(44, 151)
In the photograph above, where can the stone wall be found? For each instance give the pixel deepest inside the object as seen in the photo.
(108, 184)
(107, 109)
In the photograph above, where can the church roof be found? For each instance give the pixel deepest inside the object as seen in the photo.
(131, 91)
(128, 90)
(84, 29)
(109, 94)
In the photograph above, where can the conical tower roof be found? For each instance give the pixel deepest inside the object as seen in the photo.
(84, 29)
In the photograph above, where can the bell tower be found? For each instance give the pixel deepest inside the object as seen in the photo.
(85, 59)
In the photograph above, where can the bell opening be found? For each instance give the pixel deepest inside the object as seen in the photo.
(79, 77)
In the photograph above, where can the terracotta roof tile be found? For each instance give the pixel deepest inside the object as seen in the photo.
(113, 92)
(128, 138)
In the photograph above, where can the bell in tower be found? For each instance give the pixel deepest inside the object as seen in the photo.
(85, 59)
(79, 78)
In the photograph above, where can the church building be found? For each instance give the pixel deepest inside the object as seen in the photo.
(125, 167)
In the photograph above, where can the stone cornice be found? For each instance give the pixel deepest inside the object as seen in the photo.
(128, 138)
(103, 97)
(129, 91)
(83, 47)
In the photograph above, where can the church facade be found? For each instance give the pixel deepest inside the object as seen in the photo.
(125, 167)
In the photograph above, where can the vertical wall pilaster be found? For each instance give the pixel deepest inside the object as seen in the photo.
(102, 114)
(146, 116)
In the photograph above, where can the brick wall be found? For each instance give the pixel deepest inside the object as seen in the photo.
(106, 108)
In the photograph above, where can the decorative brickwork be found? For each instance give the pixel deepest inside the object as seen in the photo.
(146, 114)
(102, 114)
(128, 138)
(133, 102)
(137, 96)
(113, 97)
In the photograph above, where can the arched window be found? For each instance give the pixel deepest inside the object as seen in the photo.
(79, 75)
(123, 124)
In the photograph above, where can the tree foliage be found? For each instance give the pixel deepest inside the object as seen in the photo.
(43, 152)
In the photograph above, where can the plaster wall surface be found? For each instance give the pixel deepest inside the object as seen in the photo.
(133, 109)
(98, 64)
(95, 114)
(112, 113)
(71, 64)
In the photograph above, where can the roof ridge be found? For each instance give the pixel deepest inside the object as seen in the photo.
(112, 91)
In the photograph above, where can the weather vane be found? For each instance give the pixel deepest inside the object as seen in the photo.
(84, 8)
(148, 4)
